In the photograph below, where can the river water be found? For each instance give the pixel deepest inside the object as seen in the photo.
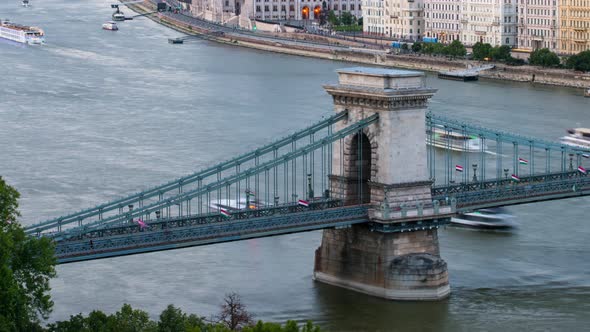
(93, 115)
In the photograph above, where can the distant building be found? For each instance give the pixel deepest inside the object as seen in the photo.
(489, 21)
(574, 26)
(374, 16)
(538, 25)
(302, 11)
(442, 19)
(404, 19)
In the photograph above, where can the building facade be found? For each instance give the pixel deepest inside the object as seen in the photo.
(442, 19)
(574, 25)
(538, 25)
(404, 19)
(374, 16)
(489, 21)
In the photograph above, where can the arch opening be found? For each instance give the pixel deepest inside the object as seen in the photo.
(305, 13)
(359, 170)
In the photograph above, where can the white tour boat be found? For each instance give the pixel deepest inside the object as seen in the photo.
(21, 33)
(493, 218)
(454, 140)
(578, 137)
(234, 205)
(110, 26)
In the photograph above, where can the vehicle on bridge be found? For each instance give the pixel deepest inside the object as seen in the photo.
(578, 137)
(456, 141)
(496, 218)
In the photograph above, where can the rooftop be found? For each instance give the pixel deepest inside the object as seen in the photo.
(380, 72)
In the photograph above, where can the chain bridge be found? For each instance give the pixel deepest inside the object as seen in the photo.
(379, 177)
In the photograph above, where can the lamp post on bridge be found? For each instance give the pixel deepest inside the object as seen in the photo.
(474, 172)
(571, 161)
(309, 187)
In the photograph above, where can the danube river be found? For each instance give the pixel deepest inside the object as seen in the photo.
(93, 115)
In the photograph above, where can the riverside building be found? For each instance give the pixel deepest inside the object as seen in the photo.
(489, 21)
(442, 19)
(374, 16)
(574, 34)
(538, 25)
(294, 11)
(404, 19)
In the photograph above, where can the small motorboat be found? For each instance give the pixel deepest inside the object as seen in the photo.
(492, 218)
(118, 16)
(26, 3)
(110, 26)
(577, 137)
(587, 93)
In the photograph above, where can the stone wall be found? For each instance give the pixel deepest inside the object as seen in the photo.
(390, 265)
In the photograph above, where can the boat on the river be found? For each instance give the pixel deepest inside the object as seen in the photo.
(578, 137)
(492, 218)
(21, 33)
(118, 15)
(236, 205)
(587, 93)
(26, 3)
(453, 140)
(110, 26)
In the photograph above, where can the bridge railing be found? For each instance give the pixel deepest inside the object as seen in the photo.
(507, 192)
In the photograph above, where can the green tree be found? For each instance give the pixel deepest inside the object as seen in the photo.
(544, 57)
(346, 18)
(131, 320)
(501, 53)
(333, 19)
(482, 51)
(26, 265)
(360, 21)
(172, 319)
(456, 49)
(417, 47)
(580, 61)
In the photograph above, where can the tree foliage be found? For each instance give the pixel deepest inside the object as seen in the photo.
(544, 57)
(580, 61)
(26, 265)
(347, 19)
(172, 319)
(482, 51)
(456, 49)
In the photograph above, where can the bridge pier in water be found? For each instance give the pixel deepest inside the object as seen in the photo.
(384, 165)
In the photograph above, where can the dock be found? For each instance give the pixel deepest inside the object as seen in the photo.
(465, 75)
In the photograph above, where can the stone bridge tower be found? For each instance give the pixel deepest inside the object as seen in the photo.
(385, 165)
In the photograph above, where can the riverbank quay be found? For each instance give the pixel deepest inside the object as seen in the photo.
(338, 50)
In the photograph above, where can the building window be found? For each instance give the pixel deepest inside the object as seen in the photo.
(258, 9)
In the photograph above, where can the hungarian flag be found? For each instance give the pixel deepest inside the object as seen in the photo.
(523, 161)
(303, 203)
(141, 223)
(515, 178)
(585, 155)
(458, 168)
(225, 213)
(582, 169)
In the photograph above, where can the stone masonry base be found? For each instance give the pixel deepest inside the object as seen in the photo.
(396, 266)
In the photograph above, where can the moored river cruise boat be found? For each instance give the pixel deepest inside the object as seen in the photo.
(21, 33)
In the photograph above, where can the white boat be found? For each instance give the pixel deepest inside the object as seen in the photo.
(454, 140)
(587, 93)
(21, 33)
(235, 205)
(26, 3)
(493, 218)
(110, 26)
(118, 16)
(578, 137)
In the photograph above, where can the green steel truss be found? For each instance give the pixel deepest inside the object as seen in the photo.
(219, 184)
(137, 198)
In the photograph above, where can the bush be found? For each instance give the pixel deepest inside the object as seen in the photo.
(580, 61)
(544, 57)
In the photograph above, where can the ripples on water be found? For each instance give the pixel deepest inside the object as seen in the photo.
(94, 115)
